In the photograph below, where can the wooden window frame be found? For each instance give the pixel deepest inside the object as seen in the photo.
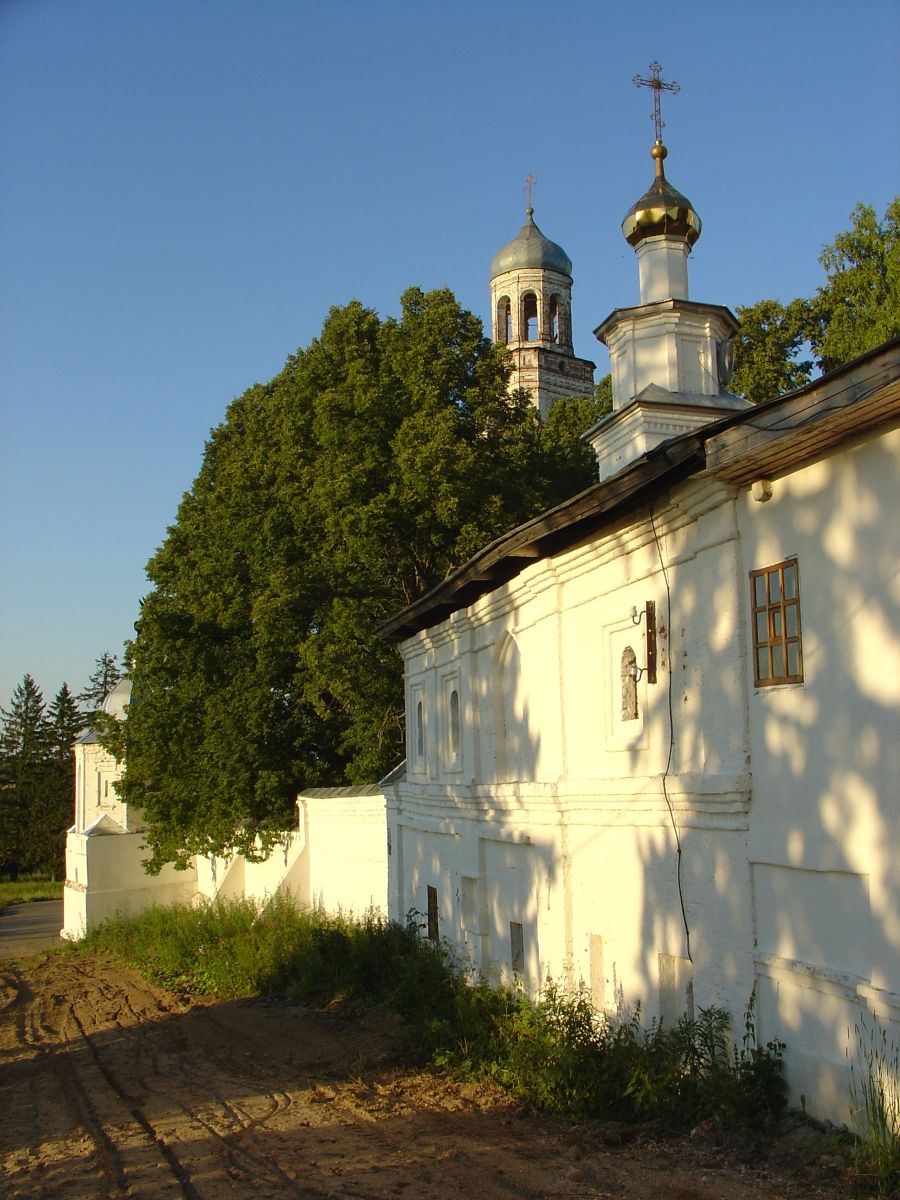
(775, 624)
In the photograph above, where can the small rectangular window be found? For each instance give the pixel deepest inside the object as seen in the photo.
(777, 647)
(468, 902)
(517, 947)
(434, 932)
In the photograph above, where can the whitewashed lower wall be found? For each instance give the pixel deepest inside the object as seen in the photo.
(592, 880)
(105, 877)
(336, 860)
(238, 878)
(825, 822)
(345, 853)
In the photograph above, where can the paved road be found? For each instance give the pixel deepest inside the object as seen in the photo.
(27, 928)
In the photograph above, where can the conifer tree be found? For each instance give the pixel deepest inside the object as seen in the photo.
(53, 815)
(24, 746)
(105, 676)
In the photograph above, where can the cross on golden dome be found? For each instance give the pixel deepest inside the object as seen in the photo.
(656, 85)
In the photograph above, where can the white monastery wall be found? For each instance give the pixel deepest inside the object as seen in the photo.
(552, 814)
(238, 878)
(336, 858)
(105, 878)
(105, 850)
(825, 831)
(346, 853)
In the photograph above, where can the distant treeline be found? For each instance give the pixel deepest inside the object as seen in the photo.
(37, 770)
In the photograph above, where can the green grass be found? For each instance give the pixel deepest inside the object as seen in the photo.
(26, 889)
(557, 1053)
(875, 1108)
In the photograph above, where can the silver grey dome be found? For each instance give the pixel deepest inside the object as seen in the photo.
(529, 248)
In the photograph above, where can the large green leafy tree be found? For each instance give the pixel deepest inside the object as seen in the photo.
(574, 461)
(859, 306)
(381, 457)
(855, 310)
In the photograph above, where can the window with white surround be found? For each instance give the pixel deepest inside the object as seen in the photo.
(517, 947)
(415, 748)
(775, 609)
(454, 724)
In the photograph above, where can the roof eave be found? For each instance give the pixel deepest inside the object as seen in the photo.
(548, 534)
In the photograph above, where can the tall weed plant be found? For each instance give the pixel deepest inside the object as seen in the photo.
(557, 1053)
(875, 1108)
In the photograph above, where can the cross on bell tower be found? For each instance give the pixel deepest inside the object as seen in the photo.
(529, 192)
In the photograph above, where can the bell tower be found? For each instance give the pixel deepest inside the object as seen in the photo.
(531, 314)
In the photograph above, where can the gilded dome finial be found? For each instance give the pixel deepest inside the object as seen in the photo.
(658, 153)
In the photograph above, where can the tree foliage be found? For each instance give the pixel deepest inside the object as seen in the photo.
(36, 779)
(574, 461)
(379, 459)
(857, 308)
(105, 676)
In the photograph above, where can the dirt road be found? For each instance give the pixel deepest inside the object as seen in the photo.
(112, 1088)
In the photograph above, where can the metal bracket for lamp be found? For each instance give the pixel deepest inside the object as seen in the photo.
(648, 611)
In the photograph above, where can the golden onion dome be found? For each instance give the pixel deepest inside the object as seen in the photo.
(661, 209)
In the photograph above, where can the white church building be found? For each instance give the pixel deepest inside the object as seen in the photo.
(653, 735)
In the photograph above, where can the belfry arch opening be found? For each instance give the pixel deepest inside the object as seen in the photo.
(554, 320)
(530, 320)
(504, 320)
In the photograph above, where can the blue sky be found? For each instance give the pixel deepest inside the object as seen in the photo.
(189, 185)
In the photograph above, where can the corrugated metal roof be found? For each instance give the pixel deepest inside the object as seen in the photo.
(366, 789)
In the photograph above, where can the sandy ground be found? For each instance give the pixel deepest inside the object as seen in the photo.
(111, 1088)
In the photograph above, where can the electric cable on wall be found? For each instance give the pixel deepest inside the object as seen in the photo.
(687, 931)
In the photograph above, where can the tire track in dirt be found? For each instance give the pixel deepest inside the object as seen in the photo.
(113, 1089)
(45, 1025)
(153, 1136)
(222, 1119)
(166, 1077)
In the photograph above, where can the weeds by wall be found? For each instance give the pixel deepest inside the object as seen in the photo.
(875, 1107)
(557, 1053)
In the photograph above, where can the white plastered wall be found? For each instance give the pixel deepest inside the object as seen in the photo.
(105, 877)
(347, 853)
(555, 818)
(825, 832)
